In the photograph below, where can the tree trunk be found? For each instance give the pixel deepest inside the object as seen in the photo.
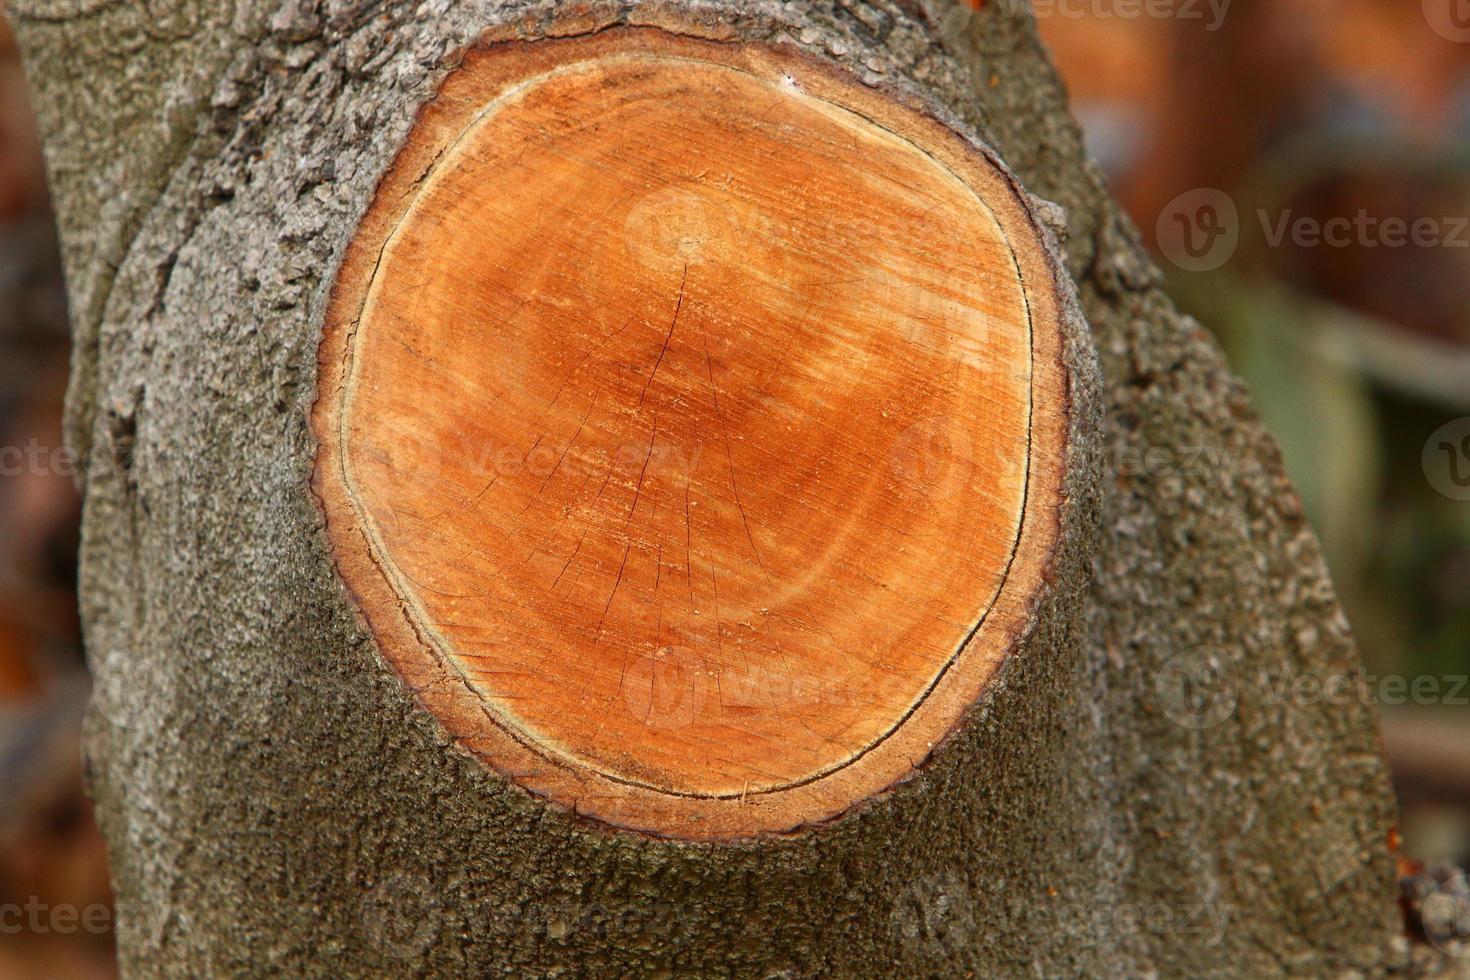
(269, 233)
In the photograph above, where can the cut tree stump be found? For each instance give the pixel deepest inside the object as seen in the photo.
(693, 421)
(626, 489)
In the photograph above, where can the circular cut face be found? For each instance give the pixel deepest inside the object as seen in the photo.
(681, 408)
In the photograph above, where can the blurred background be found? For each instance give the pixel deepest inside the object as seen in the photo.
(1229, 131)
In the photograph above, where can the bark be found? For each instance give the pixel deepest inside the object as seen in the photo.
(274, 798)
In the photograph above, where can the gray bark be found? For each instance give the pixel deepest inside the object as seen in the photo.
(275, 801)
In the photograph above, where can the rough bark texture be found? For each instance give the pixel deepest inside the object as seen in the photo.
(275, 800)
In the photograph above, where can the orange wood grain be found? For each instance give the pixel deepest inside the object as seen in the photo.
(691, 423)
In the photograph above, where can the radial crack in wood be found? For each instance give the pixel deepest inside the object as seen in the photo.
(692, 423)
